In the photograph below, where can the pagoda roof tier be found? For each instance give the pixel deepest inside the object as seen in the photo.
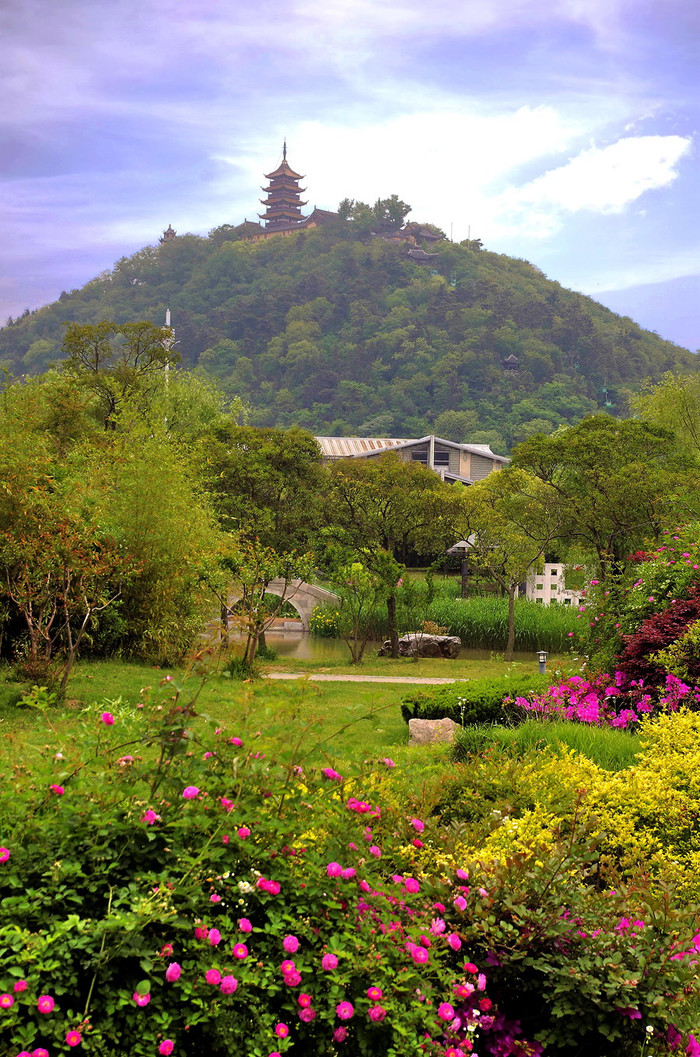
(275, 206)
(284, 169)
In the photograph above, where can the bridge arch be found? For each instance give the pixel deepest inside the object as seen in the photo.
(304, 597)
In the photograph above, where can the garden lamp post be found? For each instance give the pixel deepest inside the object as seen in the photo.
(542, 658)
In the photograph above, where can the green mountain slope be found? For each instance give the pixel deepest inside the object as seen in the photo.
(345, 334)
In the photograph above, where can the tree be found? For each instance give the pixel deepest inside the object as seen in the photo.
(383, 506)
(615, 483)
(359, 592)
(266, 484)
(674, 404)
(387, 214)
(510, 520)
(253, 566)
(117, 360)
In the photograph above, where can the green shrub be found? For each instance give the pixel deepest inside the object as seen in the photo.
(610, 749)
(479, 701)
(170, 887)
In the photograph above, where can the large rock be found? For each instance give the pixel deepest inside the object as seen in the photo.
(418, 644)
(425, 731)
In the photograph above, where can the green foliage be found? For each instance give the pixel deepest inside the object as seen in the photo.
(324, 622)
(479, 701)
(614, 484)
(329, 329)
(360, 590)
(610, 749)
(150, 857)
(483, 622)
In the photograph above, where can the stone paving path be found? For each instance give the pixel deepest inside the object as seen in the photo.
(358, 678)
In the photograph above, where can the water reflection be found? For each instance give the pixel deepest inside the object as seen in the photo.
(304, 647)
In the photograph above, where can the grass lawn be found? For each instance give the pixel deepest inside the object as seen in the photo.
(427, 667)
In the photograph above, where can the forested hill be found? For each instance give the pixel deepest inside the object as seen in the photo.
(342, 333)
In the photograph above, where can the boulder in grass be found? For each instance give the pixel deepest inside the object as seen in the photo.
(420, 644)
(427, 731)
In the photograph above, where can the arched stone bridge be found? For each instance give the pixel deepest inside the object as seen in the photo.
(303, 596)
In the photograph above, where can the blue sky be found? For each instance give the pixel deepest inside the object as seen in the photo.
(565, 133)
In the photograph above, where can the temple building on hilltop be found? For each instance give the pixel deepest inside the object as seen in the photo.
(283, 203)
(168, 234)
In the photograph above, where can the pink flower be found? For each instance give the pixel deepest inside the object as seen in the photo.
(290, 944)
(243, 832)
(332, 775)
(244, 925)
(21, 985)
(149, 817)
(374, 993)
(227, 805)
(74, 1038)
(214, 937)
(214, 898)
(445, 1011)
(334, 869)
(39, 1052)
(454, 941)
(349, 873)
(228, 985)
(304, 1000)
(45, 1004)
(236, 741)
(166, 1047)
(460, 903)
(344, 1010)
(292, 979)
(6, 1001)
(57, 789)
(418, 825)
(281, 1031)
(411, 885)
(108, 720)
(388, 762)
(141, 1000)
(272, 887)
(329, 961)
(419, 955)
(201, 932)
(239, 950)
(173, 972)
(4, 854)
(340, 1034)
(190, 792)
(417, 842)
(307, 1015)
(213, 976)
(377, 1013)
(377, 852)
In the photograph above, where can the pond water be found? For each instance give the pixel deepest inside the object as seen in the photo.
(305, 647)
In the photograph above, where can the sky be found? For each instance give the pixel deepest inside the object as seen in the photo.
(564, 133)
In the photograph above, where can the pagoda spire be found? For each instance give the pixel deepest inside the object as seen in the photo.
(283, 203)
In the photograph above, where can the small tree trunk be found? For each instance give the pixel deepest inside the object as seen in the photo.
(393, 630)
(511, 621)
(224, 625)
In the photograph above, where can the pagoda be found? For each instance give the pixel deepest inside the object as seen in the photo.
(283, 203)
(168, 234)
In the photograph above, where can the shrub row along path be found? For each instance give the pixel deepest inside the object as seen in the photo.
(359, 678)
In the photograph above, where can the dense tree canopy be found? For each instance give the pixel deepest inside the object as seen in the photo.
(339, 332)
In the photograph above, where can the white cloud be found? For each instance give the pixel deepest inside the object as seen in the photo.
(598, 180)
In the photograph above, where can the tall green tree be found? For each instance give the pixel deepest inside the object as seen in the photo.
(615, 484)
(510, 519)
(385, 506)
(674, 404)
(115, 361)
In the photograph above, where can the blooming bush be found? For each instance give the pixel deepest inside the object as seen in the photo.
(610, 700)
(192, 896)
(187, 895)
